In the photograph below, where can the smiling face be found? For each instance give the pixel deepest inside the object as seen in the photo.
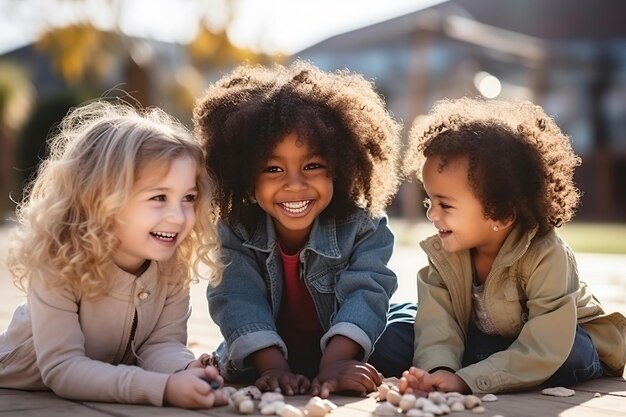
(294, 187)
(158, 214)
(454, 209)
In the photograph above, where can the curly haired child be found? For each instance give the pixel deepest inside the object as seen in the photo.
(109, 230)
(501, 284)
(306, 162)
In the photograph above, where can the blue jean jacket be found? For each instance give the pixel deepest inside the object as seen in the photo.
(344, 265)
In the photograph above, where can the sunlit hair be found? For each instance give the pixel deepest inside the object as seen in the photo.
(521, 165)
(67, 215)
(242, 117)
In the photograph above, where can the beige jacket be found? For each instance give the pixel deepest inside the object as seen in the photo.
(532, 292)
(78, 348)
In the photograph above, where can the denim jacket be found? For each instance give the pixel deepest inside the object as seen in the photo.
(343, 263)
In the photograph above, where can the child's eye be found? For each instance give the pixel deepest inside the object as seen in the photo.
(190, 198)
(272, 169)
(160, 197)
(444, 206)
(427, 203)
(313, 165)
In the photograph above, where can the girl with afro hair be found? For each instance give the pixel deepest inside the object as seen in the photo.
(501, 307)
(306, 162)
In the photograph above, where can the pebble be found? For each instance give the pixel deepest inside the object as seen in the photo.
(558, 392)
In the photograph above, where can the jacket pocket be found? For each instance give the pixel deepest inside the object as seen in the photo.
(515, 307)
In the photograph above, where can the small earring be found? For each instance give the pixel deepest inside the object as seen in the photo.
(495, 228)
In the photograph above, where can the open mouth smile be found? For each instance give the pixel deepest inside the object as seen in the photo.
(165, 236)
(296, 207)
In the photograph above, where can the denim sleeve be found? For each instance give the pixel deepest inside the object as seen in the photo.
(363, 289)
(240, 304)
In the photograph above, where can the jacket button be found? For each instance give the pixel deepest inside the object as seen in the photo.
(483, 383)
(143, 295)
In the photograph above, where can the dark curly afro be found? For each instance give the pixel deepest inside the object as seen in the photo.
(242, 116)
(521, 165)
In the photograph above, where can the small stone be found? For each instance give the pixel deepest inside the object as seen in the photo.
(471, 401)
(414, 412)
(394, 397)
(489, 398)
(290, 411)
(407, 402)
(383, 390)
(457, 406)
(272, 408)
(478, 410)
(246, 406)
(597, 395)
(386, 409)
(558, 392)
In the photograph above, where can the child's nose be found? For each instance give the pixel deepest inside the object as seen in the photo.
(176, 214)
(295, 181)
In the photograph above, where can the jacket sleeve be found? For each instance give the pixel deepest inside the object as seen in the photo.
(60, 350)
(165, 349)
(439, 338)
(240, 304)
(364, 288)
(537, 352)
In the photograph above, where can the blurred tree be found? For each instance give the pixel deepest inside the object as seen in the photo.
(46, 114)
(16, 96)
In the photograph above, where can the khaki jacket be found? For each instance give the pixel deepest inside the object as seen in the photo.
(532, 292)
(78, 348)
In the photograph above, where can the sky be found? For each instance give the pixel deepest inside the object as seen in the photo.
(270, 26)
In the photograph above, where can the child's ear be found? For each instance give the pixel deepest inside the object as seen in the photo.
(506, 223)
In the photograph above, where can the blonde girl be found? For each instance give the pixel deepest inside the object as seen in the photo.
(108, 230)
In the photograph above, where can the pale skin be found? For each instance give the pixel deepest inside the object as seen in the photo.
(294, 176)
(162, 201)
(460, 219)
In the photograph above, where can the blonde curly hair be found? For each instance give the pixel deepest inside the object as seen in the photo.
(67, 214)
(242, 117)
(521, 165)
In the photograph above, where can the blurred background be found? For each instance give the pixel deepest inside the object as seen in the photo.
(568, 56)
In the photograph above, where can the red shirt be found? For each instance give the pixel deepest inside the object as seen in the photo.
(298, 324)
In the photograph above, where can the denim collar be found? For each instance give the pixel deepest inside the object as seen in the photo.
(322, 239)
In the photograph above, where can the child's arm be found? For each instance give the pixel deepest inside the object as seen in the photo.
(59, 346)
(340, 371)
(364, 287)
(240, 305)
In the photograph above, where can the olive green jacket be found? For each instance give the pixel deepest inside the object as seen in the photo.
(532, 292)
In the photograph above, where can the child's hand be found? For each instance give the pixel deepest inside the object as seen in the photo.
(444, 381)
(346, 375)
(190, 389)
(411, 381)
(289, 384)
(420, 382)
(202, 362)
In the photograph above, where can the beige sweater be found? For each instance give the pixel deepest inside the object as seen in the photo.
(78, 348)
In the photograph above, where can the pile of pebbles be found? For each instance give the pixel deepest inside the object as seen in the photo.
(394, 403)
(273, 403)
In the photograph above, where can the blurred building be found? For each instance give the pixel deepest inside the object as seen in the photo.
(568, 56)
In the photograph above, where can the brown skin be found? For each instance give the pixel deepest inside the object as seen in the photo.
(339, 371)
